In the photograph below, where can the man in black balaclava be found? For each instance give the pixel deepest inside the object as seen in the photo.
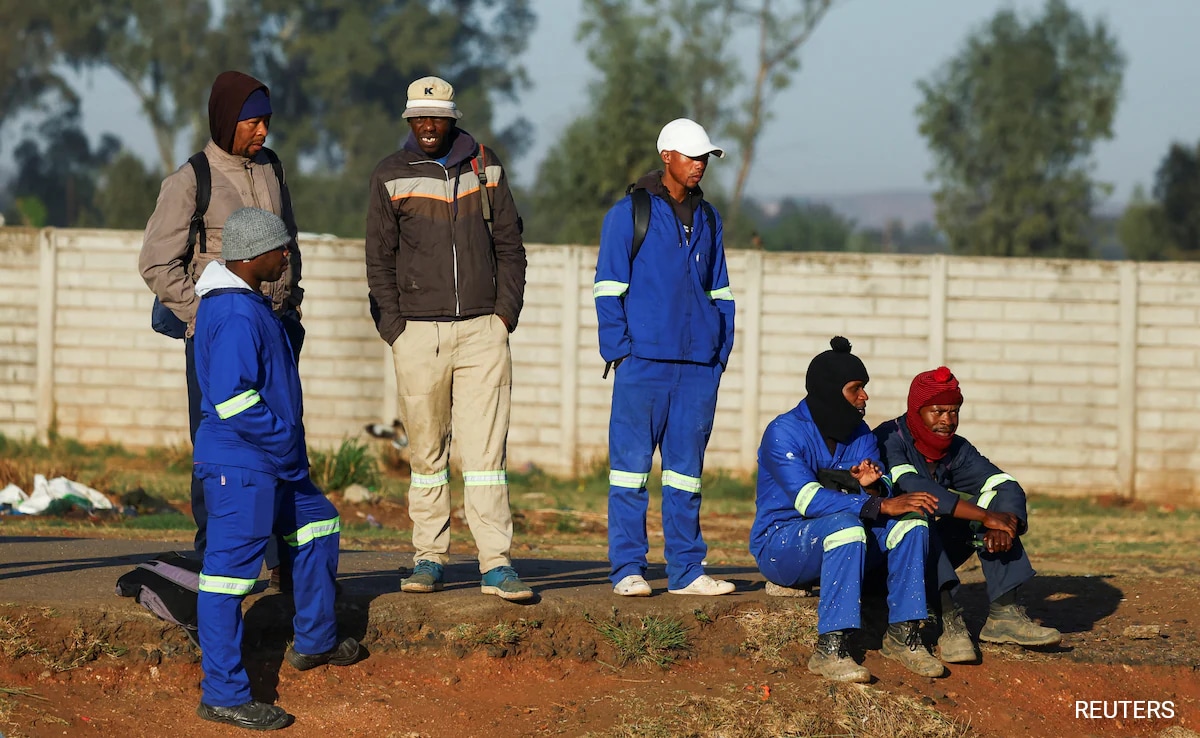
(824, 513)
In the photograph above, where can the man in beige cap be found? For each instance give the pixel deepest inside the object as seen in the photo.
(446, 271)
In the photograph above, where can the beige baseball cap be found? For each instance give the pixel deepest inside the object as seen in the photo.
(431, 97)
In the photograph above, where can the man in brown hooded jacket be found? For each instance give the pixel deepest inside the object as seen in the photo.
(242, 175)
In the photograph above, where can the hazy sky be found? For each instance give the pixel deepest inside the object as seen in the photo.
(847, 124)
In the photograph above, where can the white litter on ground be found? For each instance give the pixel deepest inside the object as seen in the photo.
(59, 488)
(12, 495)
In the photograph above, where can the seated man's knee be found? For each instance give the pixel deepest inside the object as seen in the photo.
(912, 531)
(845, 529)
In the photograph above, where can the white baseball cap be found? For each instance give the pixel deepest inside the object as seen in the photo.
(688, 138)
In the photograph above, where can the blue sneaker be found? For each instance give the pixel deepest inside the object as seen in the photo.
(426, 577)
(504, 583)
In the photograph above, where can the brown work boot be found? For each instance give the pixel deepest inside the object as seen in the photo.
(1010, 624)
(831, 660)
(903, 643)
(955, 644)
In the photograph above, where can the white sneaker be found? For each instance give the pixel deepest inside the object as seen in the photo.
(632, 586)
(705, 585)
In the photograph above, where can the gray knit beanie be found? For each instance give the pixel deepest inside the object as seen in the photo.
(250, 232)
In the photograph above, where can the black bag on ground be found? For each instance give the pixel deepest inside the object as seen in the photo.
(168, 586)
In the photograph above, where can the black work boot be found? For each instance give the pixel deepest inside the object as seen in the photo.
(1008, 623)
(903, 643)
(831, 660)
(251, 715)
(955, 644)
(344, 654)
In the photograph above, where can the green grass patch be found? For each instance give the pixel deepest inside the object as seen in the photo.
(160, 521)
(651, 640)
(351, 463)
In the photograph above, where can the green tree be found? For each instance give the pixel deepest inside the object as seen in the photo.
(127, 190)
(56, 179)
(28, 59)
(339, 71)
(657, 60)
(612, 142)
(1166, 227)
(1011, 121)
(805, 226)
(166, 51)
(781, 33)
(1177, 190)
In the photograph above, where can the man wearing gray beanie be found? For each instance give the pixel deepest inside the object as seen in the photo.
(252, 460)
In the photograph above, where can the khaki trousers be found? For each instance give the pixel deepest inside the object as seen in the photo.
(455, 379)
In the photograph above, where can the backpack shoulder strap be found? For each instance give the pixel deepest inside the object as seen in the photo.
(196, 233)
(285, 194)
(641, 220)
(479, 166)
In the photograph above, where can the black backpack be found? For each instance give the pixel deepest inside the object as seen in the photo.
(162, 320)
(167, 585)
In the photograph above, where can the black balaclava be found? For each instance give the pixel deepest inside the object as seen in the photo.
(828, 373)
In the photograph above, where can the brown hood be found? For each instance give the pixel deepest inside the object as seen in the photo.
(229, 93)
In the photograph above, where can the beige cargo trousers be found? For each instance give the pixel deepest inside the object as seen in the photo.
(454, 379)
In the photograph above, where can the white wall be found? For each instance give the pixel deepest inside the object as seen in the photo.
(1080, 377)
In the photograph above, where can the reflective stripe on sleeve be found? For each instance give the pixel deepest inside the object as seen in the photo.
(901, 529)
(237, 404)
(805, 496)
(724, 293)
(901, 470)
(681, 481)
(844, 537)
(609, 288)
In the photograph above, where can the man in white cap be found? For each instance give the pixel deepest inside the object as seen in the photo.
(665, 314)
(446, 271)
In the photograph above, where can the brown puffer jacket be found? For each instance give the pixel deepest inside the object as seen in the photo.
(429, 253)
(237, 182)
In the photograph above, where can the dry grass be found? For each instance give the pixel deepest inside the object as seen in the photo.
(851, 711)
(501, 634)
(770, 633)
(77, 649)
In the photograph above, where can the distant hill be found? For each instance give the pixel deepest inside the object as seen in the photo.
(877, 209)
(911, 207)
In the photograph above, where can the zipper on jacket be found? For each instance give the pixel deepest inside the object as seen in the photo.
(453, 244)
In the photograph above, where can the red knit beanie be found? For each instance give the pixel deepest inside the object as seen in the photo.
(937, 387)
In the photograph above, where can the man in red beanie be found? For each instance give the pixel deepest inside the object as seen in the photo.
(981, 510)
